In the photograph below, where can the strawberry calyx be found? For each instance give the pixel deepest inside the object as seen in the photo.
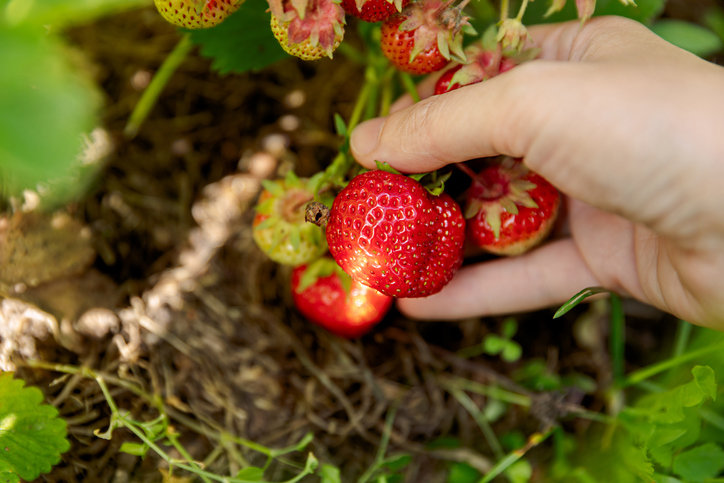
(361, 3)
(320, 22)
(435, 184)
(501, 191)
(320, 268)
(437, 24)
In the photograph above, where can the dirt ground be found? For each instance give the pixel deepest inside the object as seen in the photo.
(175, 297)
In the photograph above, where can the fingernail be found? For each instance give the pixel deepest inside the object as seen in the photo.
(366, 136)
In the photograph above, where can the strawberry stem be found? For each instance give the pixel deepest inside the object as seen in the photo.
(155, 87)
(409, 86)
(471, 174)
(521, 11)
(504, 9)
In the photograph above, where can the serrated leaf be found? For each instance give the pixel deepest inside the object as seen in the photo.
(705, 379)
(692, 37)
(699, 463)
(32, 435)
(242, 42)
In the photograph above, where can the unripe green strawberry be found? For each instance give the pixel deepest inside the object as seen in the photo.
(197, 14)
(388, 232)
(279, 228)
(311, 34)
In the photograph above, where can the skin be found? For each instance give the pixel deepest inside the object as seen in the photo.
(628, 127)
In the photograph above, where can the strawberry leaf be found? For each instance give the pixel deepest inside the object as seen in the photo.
(242, 42)
(31, 433)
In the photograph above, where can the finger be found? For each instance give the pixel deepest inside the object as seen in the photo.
(425, 88)
(539, 279)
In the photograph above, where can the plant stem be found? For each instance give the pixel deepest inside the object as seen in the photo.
(683, 334)
(504, 9)
(359, 105)
(409, 86)
(521, 11)
(652, 370)
(155, 87)
(466, 402)
(617, 339)
(382, 448)
(534, 440)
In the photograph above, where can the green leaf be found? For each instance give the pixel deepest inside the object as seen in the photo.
(136, 449)
(493, 344)
(32, 436)
(251, 473)
(330, 474)
(511, 352)
(692, 37)
(699, 463)
(462, 473)
(577, 299)
(510, 327)
(519, 472)
(242, 42)
(705, 379)
(47, 105)
(64, 12)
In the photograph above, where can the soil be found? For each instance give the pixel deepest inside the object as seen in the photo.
(179, 302)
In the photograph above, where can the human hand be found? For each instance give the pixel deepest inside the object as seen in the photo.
(628, 127)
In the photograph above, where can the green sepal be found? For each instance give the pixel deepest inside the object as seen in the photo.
(384, 166)
(267, 223)
(340, 125)
(292, 180)
(489, 39)
(266, 207)
(320, 268)
(273, 187)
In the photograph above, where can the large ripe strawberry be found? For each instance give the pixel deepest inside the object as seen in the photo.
(425, 36)
(197, 14)
(373, 10)
(388, 232)
(308, 29)
(327, 296)
(279, 228)
(510, 209)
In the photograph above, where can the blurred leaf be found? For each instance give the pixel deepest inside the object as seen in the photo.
(519, 472)
(242, 42)
(251, 473)
(64, 12)
(694, 38)
(644, 11)
(46, 107)
(714, 19)
(462, 473)
(700, 463)
(511, 352)
(32, 435)
(330, 474)
(493, 344)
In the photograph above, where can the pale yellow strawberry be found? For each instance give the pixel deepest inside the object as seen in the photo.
(197, 14)
(311, 36)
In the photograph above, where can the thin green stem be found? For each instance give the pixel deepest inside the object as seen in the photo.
(352, 53)
(655, 369)
(504, 9)
(155, 87)
(683, 335)
(534, 440)
(359, 105)
(387, 91)
(382, 448)
(466, 402)
(494, 392)
(521, 11)
(409, 86)
(617, 340)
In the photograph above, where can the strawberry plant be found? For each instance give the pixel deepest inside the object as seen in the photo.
(325, 242)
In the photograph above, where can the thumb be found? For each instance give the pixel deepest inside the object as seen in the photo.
(501, 115)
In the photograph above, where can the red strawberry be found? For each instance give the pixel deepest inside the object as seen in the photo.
(425, 36)
(373, 10)
(326, 295)
(308, 29)
(196, 14)
(279, 228)
(510, 208)
(485, 60)
(388, 232)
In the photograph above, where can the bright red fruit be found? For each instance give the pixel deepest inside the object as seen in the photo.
(424, 37)
(373, 10)
(349, 311)
(388, 232)
(510, 208)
